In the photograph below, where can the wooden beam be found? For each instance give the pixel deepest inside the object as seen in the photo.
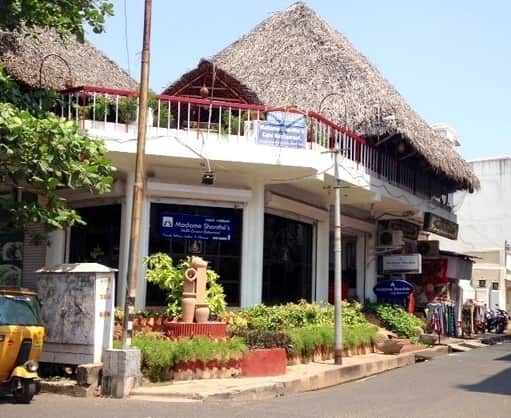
(383, 140)
(408, 155)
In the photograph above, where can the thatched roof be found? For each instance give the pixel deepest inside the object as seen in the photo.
(22, 55)
(296, 58)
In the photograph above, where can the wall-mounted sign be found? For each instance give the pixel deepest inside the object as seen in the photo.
(440, 226)
(410, 230)
(283, 129)
(393, 289)
(196, 227)
(411, 264)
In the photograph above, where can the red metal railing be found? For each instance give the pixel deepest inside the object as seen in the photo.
(105, 105)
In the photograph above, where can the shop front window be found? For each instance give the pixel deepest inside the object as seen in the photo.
(220, 247)
(287, 262)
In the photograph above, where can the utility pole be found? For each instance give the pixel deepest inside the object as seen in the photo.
(138, 186)
(337, 261)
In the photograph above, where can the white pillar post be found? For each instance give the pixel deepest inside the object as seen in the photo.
(322, 259)
(360, 266)
(370, 266)
(56, 250)
(124, 239)
(140, 300)
(252, 247)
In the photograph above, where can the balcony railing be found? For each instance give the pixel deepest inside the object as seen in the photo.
(97, 108)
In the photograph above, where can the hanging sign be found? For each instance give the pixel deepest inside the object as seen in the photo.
(411, 263)
(393, 289)
(283, 129)
(195, 227)
(440, 226)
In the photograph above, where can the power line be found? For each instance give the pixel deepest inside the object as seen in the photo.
(126, 35)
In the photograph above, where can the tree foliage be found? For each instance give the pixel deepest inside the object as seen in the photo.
(40, 152)
(64, 16)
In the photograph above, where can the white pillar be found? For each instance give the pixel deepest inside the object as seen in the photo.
(56, 250)
(124, 243)
(140, 301)
(360, 266)
(252, 247)
(322, 259)
(370, 266)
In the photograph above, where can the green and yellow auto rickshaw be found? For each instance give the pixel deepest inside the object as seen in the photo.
(21, 343)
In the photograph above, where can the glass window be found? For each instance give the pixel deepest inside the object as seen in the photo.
(19, 310)
(482, 283)
(287, 260)
(495, 285)
(223, 256)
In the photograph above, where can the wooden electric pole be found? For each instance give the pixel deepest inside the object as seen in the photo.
(138, 186)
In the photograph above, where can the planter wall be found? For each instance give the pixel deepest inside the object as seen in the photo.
(327, 354)
(191, 370)
(264, 362)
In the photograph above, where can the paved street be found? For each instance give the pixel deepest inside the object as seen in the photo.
(473, 384)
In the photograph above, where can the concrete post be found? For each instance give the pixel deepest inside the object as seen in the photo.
(322, 260)
(124, 239)
(121, 372)
(252, 247)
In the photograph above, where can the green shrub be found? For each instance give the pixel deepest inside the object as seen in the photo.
(162, 272)
(160, 356)
(261, 338)
(396, 319)
(296, 315)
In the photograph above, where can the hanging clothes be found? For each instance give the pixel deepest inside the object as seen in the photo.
(441, 317)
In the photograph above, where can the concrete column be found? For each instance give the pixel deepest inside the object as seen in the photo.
(56, 250)
(124, 239)
(140, 301)
(370, 266)
(361, 270)
(322, 260)
(252, 247)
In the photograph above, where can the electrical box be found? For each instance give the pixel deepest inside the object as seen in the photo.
(77, 312)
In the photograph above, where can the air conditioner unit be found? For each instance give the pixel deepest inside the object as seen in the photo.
(428, 248)
(389, 238)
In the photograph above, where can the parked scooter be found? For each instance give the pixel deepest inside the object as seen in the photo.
(497, 320)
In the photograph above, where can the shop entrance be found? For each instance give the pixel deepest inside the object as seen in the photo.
(287, 260)
(98, 240)
(223, 255)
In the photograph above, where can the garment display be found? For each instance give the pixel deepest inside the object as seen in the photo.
(473, 317)
(441, 318)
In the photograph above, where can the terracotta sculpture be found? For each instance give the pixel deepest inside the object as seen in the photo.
(194, 292)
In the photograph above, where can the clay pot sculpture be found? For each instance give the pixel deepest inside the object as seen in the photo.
(189, 295)
(201, 313)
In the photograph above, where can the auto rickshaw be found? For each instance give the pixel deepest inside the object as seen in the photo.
(21, 343)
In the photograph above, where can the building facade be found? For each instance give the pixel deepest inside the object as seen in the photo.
(239, 168)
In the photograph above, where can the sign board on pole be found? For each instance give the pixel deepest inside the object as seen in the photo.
(283, 129)
(196, 227)
(440, 226)
(402, 264)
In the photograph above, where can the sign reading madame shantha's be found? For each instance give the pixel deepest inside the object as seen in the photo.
(198, 227)
(283, 129)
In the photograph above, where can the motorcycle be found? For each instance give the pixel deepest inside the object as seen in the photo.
(497, 320)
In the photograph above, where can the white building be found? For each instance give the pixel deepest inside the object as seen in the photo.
(485, 230)
(262, 115)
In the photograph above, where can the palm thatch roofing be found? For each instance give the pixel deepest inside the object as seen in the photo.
(296, 58)
(48, 61)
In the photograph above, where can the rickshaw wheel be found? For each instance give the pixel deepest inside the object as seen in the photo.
(25, 393)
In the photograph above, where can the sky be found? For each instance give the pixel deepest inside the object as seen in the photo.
(450, 59)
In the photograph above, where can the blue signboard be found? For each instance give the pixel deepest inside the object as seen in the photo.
(393, 289)
(197, 227)
(283, 129)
